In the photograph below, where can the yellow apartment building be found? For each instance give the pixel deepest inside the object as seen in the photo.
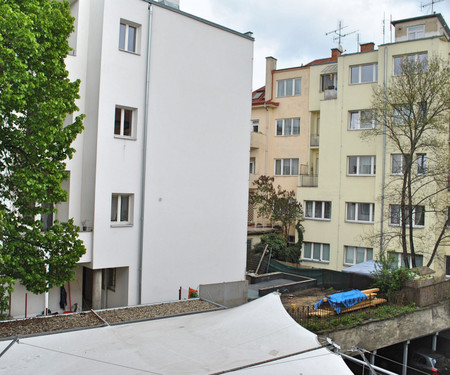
(343, 185)
(280, 132)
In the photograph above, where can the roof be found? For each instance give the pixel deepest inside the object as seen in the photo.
(259, 334)
(259, 98)
(326, 60)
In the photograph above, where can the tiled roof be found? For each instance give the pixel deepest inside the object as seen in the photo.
(259, 98)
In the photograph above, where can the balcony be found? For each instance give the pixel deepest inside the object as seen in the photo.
(330, 93)
(257, 140)
(86, 237)
(309, 180)
(314, 140)
(253, 178)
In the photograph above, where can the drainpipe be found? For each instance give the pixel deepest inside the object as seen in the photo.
(144, 154)
(383, 171)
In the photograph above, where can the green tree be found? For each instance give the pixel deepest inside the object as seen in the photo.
(412, 113)
(278, 205)
(36, 96)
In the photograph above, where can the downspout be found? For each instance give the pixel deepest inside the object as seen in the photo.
(383, 172)
(144, 155)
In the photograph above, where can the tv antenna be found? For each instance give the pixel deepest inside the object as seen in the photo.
(431, 3)
(339, 35)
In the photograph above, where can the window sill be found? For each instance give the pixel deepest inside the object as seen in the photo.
(361, 175)
(120, 225)
(414, 226)
(317, 219)
(126, 137)
(130, 52)
(316, 261)
(359, 222)
(361, 83)
(285, 136)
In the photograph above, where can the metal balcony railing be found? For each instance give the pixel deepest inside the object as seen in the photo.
(314, 141)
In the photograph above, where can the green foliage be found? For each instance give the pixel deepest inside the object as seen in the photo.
(388, 277)
(36, 97)
(6, 288)
(275, 243)
(277, 204)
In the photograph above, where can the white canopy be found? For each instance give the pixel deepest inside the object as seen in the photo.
(204, 343)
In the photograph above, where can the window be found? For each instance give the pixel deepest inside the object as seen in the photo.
(318, 210)
(255, 126)
(397, 164)
(319, 252)
(121, 208)
(289, 87)
(416, 32)
(396, 216)
(123, 122)
(361, 120)
(421, 163)
(252, 165)
(286, 167)
(401, 115)
(355, 255)
(399, 262)
(328, 81)
(361, 165)
(364, 73)
(360, 212)
(288, 126)
(128, 37)
(420, 58)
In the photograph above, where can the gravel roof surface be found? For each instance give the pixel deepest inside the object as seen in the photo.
(62, 322)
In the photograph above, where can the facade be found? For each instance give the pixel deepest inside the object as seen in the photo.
(279, 133)
(149, 184)
(347, 208)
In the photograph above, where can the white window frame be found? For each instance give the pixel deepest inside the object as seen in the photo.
(117, 210)
(123, 111)
(252, 166)
(398, 259)
(255, 126)
(356, 73)
(358, 120)
(283, 165)
(398, 214)
(354, 209)
(358, 166)
(289, 87)
(351, 254)
(415, 56)
(421, 163)
(415, 32)
(318, 246)
(397, 164)
(285, 127)
(124, 33)
(314, 206)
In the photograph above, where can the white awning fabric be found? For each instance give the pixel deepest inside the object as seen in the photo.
(256, 338)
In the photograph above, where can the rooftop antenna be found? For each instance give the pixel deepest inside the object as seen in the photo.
(430, 3)
(339, 34)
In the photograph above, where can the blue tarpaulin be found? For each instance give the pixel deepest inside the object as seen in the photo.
(341, 300)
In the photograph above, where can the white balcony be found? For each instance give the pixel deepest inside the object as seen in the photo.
(86, 237)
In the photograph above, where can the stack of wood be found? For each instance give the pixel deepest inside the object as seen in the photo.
(371, 300)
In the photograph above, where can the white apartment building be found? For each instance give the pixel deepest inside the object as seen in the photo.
(159, 182)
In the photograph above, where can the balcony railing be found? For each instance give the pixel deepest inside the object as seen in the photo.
(330, 94)
(256, 140)
(309, 180)
(86, 237)
(314, 141)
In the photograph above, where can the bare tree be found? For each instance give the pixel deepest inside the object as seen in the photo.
(412, 114)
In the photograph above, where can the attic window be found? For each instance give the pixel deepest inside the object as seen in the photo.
(257, 95)
(416, 32)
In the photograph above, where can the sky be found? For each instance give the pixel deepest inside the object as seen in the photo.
(294, 31)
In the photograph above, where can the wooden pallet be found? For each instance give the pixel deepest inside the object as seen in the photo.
(372, 300)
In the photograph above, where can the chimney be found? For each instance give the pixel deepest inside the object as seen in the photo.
(335, 53)
(271, 65)
(366, 47)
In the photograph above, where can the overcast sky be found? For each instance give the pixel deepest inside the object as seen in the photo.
(294, 31)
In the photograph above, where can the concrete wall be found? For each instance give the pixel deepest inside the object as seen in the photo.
(378, 334)
(227, 294)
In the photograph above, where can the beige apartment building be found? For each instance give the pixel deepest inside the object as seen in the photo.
(343, 187)
(279, 134)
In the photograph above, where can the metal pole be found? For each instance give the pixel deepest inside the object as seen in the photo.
(434, 342)
(405, 357)
(379, 369)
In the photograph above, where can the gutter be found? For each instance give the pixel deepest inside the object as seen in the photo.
(144, 154)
